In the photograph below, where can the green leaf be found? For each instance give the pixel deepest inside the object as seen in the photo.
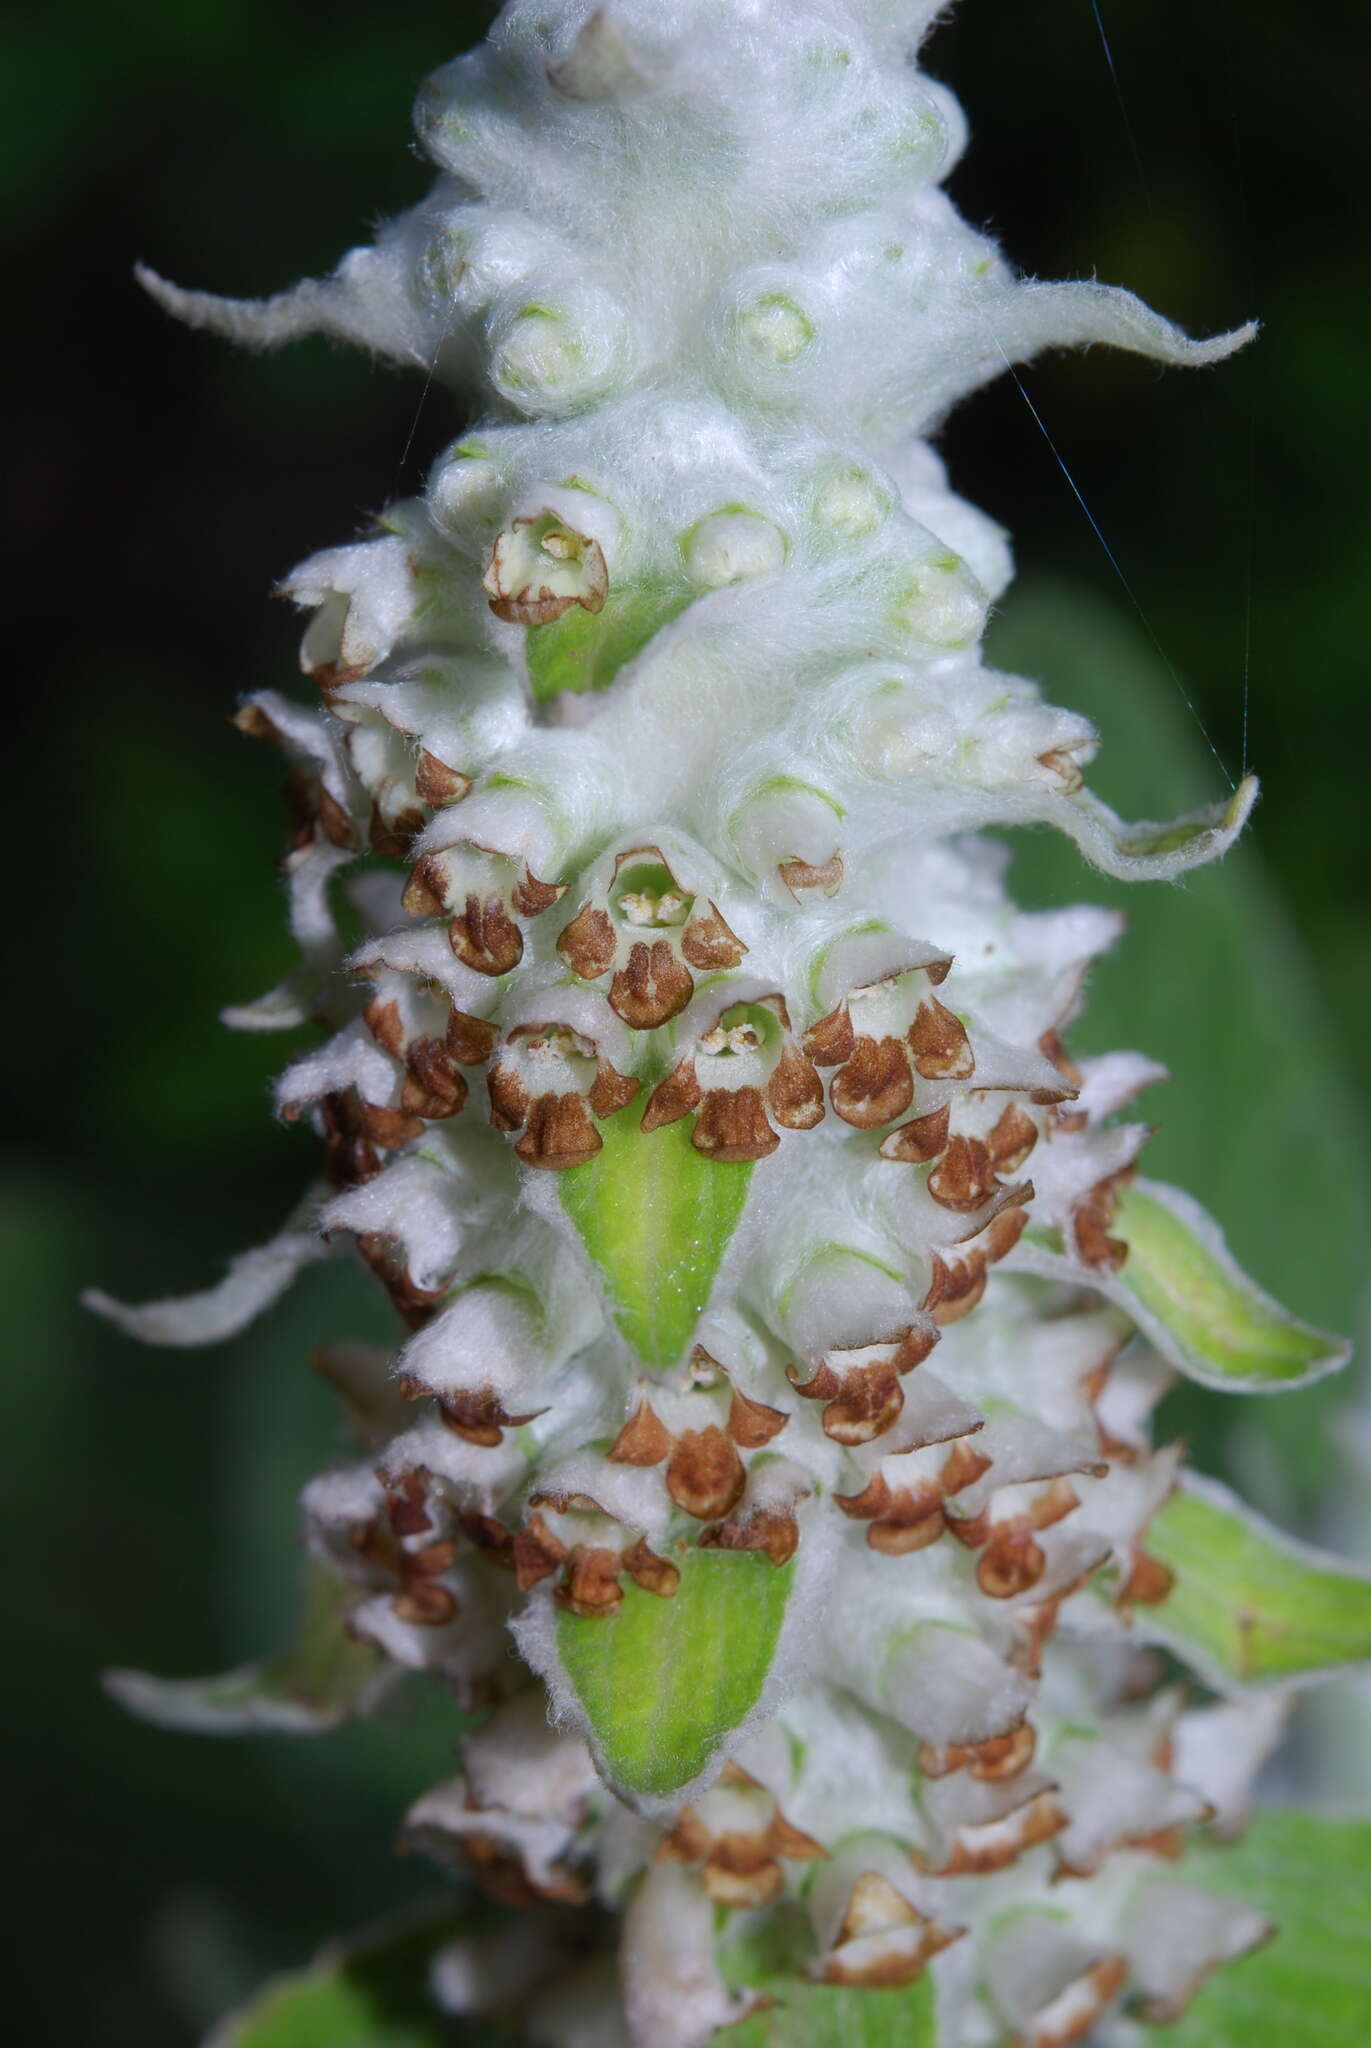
(1200, 1308)
(585, 650)
(1215, 981)
(1249, 1602)
(656, 1217)
(807, 2015)
(371, 1993)
(1311, 1986)
(321, 1681)
(664, 1681)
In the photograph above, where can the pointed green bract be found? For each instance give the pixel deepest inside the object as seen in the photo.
(1201, 1309)
(809, 2015)
(585, 650)
(1250, 1603)
(1311, 1986)
(663, 1682)
(372, 1993)
(656, 1218)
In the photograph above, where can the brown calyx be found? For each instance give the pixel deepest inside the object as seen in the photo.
(861, 1403)
(978, 1849)
(705, 1475)
(732, 1126)
(611, 1091)
(388, 1128)
(991, 1762)
(904, 1519)
(313, 815)
(1011, 1139)
(432, 1087)
(470, 1040)
(794, 1093)
(1011, 1561)
(964, 1178)
(391, 837)
(1148, 1583)
(709, 943)
(560, 1133)
(489, 1535)
(504, 1877)
(531, 897)
(652, 987)
(1091, 1220)
(876, 1909)
(740, 1867)
(350, 1150)
(424, 892)
(643, 1440)
(831, 1041)
(485, 937)
(654, 1574)
(673, 1097)
(476, 1414)
(588, 944)
(774, 1532)
(863, 1400)
(1101, 1984)
(590, 1587)
(751, 1423)
(421, 1600)
(804, 877)
(958, 1282)
(874, 1085)
(922, 1139)
(939, 1044)
(436, 784)
(387, 1261)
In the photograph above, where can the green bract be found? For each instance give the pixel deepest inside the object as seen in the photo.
(1312, 1983)
(1250, 1603)
(663, 1682)
(656, 1219)
(1219, 1327)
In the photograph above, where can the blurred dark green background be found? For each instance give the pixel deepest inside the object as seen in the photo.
(161, 483)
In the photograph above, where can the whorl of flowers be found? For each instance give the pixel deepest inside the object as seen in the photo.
(782, 1315)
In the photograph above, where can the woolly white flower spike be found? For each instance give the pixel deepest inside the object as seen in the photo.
(785, 1238)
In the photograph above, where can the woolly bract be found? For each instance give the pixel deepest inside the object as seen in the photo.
(783, 1320)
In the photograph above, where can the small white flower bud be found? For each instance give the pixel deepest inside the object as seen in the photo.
(556, 355)
(731, 546)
